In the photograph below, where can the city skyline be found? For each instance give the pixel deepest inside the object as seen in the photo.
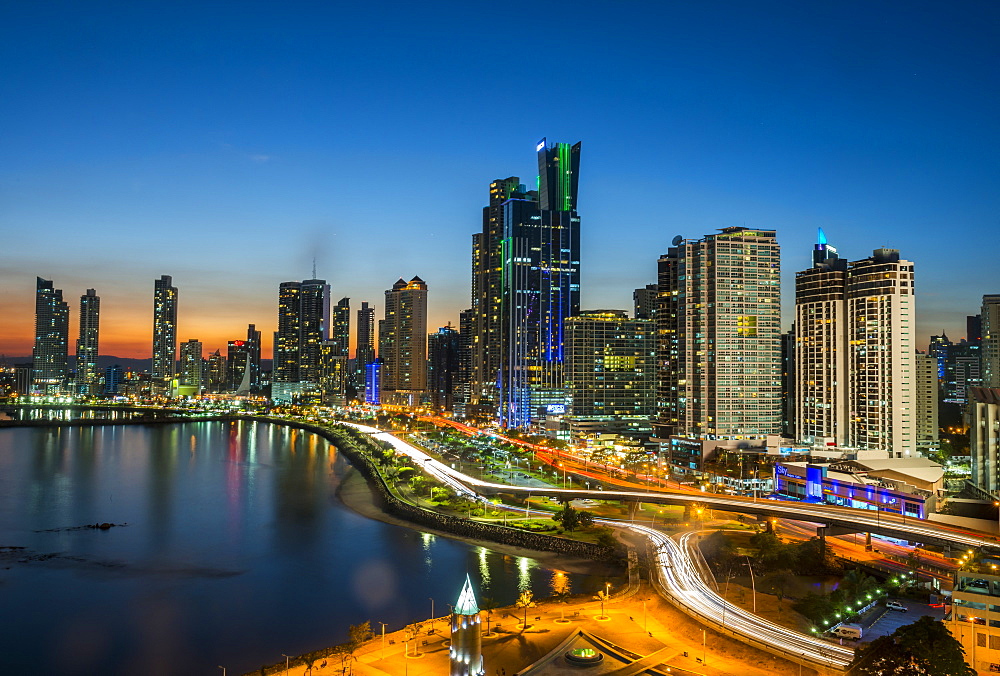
(230, 161)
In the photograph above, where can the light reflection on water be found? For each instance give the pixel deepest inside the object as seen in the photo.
(237, 550)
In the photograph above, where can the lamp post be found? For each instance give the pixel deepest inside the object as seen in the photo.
(383, 639)
(432, 615)
(223, 670)
(286, 663)
(753, 585)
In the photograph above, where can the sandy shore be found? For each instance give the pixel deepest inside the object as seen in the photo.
(355, 493)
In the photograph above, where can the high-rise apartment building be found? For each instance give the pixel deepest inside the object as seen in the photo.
(984, 437)
(938, 349)
(610, 373)
(820, 376)
(990, 353)
(364, 352)
(243, 363)
(403, 343)
(51, 351)
(88, 344)
(719, 337)
(340, 334)
(303, 322)
(463, 384)
(855, 350)
(926, 403)
(443, 365)
(962, 370)
(644, 302)
(214, 373)
(164, 328)
(333, 376)
(192, 365)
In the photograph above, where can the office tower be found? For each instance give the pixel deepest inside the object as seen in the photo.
(974, 329)
(253, 342)
(610, 371)
(990, 352)
(333, 376)
(788, 395)
(540, 276)
(487, 295)
(961, 371)
(239, 366)
(51, 349)
(820, 378)
(303, 322)
(443, 350)
(463, 384)
(926, 403)
(164, 328)
(373, 381)
(192, 365)
(341, 333)
(854, 358)
(215, 373)
(938, 349)
(403, 343)
(644, 302)
(114, 379)
(719, 334)
(87, 345)
(364, 352)
(287, 338)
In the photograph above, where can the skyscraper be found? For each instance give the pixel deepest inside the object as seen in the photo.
(443, 365)
(403, 343)
(364, 353)
(51, 338)
(463, 385)
(87, 345)
(303, 322)
(719, 329)
(644, 302)
(341, 333)
(192, 365)
(540, 288)
(926, 403)
(164, 328)
(611, 373)
(855, 351)
(990, 352)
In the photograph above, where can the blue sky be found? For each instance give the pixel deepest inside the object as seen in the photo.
(226, 144)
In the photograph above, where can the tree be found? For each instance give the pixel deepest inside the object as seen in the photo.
(525, 600)
(489, 605)
(585, 518)
(924, 648)
(568, 517)
(606, 538)
(602, 596)
(357, 634)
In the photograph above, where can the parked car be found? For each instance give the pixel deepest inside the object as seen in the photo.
(895, 605)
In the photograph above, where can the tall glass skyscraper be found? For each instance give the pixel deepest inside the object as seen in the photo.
(51, 338)
(164, 328)
(364, 353)
(303, 322)
(526, 282)
(87, 344)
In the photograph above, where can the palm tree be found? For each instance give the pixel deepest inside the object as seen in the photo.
(489, 605)
(525, 601)
(602, 596)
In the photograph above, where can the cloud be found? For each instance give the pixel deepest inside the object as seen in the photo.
(259, 159)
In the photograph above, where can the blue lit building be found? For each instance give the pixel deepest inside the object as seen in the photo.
(909, 486)
(373, 382)
(540, 287)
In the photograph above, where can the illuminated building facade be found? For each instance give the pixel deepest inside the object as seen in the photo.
(373, 382)
(51, 350)
(610, 373)
(443, 367)
(974, 620)
(463, 384)
(644, 302)
(984, 437)
(333, 378)
(925, 402)
(990, 324)
(164, 328)
(303, 322)
(88, 344)
(540, 288)
(215, 373)
(340, 335)
(243, 363)
(855, 350)
(192, 365)
(364, 353)
(403, 343)
(820, 375)
(466, 651)
(719, 337)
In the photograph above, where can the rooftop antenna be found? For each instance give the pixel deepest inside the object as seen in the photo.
(314, 267)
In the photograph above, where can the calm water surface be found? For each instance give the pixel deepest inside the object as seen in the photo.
(236, 550)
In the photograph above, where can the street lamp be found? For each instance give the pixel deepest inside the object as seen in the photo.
(432, 615)
(383, 639)
(286, 663)
(223, 670)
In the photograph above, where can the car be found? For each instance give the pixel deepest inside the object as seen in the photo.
(895, 605)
